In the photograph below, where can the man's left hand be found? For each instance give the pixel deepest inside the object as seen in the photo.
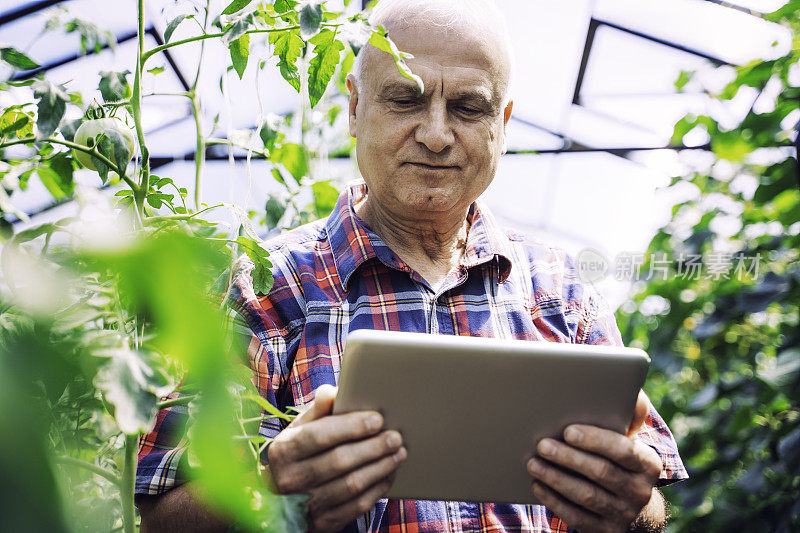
(597, 480)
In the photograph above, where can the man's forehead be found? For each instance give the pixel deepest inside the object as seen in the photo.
(454, 62)
(451, 84)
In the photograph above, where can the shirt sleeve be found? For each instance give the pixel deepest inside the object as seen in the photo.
(162, 452)
(163, 459)
(601, 328)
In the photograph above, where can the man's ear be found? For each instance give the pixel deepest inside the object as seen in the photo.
(506, 117)
(353, 105)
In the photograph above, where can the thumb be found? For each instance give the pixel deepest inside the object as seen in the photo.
(320, 407)
(639, 413)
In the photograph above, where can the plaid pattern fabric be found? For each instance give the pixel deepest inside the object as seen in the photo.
(335, 276)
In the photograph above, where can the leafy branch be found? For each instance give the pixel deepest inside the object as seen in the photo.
(148, 54)
(95, 469)
(85, 149)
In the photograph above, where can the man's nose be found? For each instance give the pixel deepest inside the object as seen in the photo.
(435, 130)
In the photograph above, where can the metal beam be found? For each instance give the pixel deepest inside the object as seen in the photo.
(717, 61)
(594, 24)
(69, 59)
(587, 49)
(170, 59)
(24, 11)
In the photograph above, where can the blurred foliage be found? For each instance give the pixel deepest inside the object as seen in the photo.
(113, 313)
(724, 340)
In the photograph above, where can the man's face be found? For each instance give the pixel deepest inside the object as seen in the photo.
(426, 156)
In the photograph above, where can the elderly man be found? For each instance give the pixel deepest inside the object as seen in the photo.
(412, 250)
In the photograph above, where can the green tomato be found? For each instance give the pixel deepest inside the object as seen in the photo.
(91, 129)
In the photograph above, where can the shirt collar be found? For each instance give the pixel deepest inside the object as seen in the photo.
(353, 243)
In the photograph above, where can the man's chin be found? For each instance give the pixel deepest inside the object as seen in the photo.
(431, 204)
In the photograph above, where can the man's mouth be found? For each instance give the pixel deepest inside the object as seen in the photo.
(431, 166)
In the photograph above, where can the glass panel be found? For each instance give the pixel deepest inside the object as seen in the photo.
(548, 40)
(522, 136)
(601, 130)
(725, 33)
(623, 64)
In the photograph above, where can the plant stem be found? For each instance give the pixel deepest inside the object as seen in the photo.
(99, 470)
(136, 110)
(200, 146)
(128, 482)
(147, 55)
(181, 400)
(163, 218)
(200, 151)
(91, 151)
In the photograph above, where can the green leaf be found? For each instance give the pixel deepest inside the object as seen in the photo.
(290, 513)
(51, 106)
(288, 47)
(786, 371)
(293, 157)
(381, 41)
(236, 5)
(56, 178)
(114, 146)
(683, 78)
(310, 18)
(114, 85)
(17, 59)
(173, 25)
(63, 165)
(69, 128)
(325, 197)
(157, 199)
(322, 66)
(731, 146)
(357, 34)
(22, 83)
(274, 211)
(155, 70)
(284, 6)
(32, 233)
(241, 24)
(266, 406)
(15, 121)
(133, 381)
(276, 173)
(262, 278)
(270, 131)
(240, 51)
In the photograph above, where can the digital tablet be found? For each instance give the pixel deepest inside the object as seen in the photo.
(471, 409)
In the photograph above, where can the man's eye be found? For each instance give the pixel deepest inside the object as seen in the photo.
(404, 102)
(468, 110)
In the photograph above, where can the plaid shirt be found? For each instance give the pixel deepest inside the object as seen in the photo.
(335, 276)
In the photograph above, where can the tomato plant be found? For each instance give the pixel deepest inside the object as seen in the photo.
(94, 132)
(111, 314)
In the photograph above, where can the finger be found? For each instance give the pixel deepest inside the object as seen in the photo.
(639, 413)
(314, 471)
(595, 467)
(352, 484)
(630, 454)
(578, 490)
(335, 518)
(321, 405)
(573, 515)
(316, 436)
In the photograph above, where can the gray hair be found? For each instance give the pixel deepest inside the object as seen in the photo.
(480, 16)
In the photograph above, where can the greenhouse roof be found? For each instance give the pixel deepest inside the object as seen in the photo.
(595, 105)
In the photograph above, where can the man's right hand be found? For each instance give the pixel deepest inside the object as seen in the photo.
(345, 462)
